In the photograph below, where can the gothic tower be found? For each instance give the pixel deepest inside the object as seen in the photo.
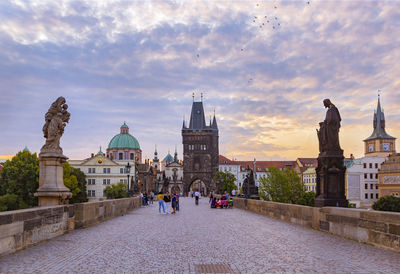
(379, 143)
(200, 149)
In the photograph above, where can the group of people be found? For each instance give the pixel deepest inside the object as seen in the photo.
(147, 198)
(224, 201)
(166, 200)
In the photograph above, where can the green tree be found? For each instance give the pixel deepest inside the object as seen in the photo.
(281, 186)
(75, 180)
(387, 203)
(116, 191)
(307, 198)
(226, 180)
(20, 177)
(11, 202)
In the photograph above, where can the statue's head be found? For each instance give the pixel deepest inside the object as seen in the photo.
(327, 103)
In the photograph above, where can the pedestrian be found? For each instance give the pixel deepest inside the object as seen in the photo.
(146, 202)
(177, 202)
(197, 197)
(233, 192)
(192, 193)
(227, 195)
(142, 196)
(160, 198)
(173, 203)
(211, 196)
(167, 201)
(151, 197)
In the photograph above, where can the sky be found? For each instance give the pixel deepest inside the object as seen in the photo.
(263, 66)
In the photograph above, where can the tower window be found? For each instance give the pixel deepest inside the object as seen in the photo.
(131, 156)
(120, 156)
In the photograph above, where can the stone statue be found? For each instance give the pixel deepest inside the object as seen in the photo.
(328, 134)
(330, 170)
(56, 119)
(52, 190)
(249, 186)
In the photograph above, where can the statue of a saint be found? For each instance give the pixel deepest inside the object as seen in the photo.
(56, 119)
(328, 134)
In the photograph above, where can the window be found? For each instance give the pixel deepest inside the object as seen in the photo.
(366, 195)
(91, 181)
(106, 181)
(365, 165)
(365, 175)
(376, 165)
(243, 176)
(370, 165)
(92, 170)
(132, 157)
(372, 195)
(376, 186)
(371, 176)
(91, 193)
(121, 170)
(120, 156)
(376, 176)
(366, 186)
(106, 170)
(371, 186)
(376, 196)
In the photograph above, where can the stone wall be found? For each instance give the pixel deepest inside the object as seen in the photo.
(378, 228)
(23, 228)
(87, 214)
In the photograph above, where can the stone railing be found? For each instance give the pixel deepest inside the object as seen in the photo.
(23, 228)
(378, 228)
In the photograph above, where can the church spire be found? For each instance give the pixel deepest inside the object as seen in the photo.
(155, 159)
(176, 156)
(214, 123)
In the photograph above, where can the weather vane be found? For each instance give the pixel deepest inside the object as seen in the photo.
(379, 92)
(193, 96)
(201, 94)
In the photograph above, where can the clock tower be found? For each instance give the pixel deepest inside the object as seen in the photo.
(379, 143)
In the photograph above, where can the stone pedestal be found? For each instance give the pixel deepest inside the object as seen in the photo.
(330, 179)
(52, 190)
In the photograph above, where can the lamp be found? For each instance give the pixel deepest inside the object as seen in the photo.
(128, 170)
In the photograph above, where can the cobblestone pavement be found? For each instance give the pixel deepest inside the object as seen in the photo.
(195, 238)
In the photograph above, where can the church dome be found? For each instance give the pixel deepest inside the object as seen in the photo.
(124, 140)
(168, 158)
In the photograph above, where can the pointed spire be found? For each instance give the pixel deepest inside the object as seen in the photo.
(155, 159)
(214, 123)
(183, 125)
(379, 123)
(176, 155)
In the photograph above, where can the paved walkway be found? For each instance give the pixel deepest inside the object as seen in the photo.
(199, 239)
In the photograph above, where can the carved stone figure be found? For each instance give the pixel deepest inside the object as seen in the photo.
(249, 186)
(56, 119)
(52, 190)
(331, 170)
(328, 135)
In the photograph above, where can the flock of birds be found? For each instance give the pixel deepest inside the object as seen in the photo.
(262, 22)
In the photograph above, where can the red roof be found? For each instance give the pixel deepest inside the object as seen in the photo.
(261, 166)
(308, 162)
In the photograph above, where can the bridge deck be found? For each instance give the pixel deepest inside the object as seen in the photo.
(200, 239)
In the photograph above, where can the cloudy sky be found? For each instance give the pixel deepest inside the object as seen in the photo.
(264, 66)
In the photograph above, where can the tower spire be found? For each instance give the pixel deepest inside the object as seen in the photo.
(176, 155)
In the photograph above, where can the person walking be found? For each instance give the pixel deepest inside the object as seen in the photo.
(173, 203)
(211, 196)
(177, 202)
(233, 192)
(160, 198)
(151, 197)
(197, 197)
(167, 201)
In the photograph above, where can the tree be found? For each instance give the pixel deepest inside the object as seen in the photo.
(20, 177)
(116, 191)
(307, 198)
(387, 203)
(281, 186)
(75, 180)
(11, 202)
(226, 181)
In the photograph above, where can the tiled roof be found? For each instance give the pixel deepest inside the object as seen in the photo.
(309, 162)
(261, 166)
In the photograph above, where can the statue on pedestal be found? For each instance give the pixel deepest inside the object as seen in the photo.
(330, 170)
(249, 189)
(52, 190)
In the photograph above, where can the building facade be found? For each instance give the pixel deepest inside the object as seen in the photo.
(389, 176)
(310, 179)
(200, 151)
(101, 171)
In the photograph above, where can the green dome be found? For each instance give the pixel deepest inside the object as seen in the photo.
(168, 158)
(123, 140)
